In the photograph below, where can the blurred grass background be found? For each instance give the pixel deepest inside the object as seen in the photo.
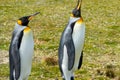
(102, 43)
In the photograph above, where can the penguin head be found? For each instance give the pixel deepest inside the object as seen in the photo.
(77, 10)
(25, 20)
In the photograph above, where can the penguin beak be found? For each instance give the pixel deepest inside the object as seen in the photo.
(31, 16)
(79, 4)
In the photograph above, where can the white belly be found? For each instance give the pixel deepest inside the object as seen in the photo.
(66, 72)
(78, 39)
(26, 53)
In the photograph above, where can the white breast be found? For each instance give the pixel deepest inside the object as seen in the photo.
(78, 39)
(26, 53)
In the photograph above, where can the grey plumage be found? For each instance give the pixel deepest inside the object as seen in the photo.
(66, 39)
(14, 51)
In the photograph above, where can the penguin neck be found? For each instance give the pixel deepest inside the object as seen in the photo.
(80, 20)
(17, 25)
(73, 19)
(20, 26)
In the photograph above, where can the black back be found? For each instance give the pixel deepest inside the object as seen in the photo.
(66, 40)
(14, 55)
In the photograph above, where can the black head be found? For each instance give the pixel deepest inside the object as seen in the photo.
(25, 20)
(77, 11)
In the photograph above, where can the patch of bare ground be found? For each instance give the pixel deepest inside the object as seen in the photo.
(106, 65)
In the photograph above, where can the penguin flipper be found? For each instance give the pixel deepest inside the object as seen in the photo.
(11, 67)
(71, 53)
(70, 46)
(66, 40)
(15, 54)
(80, 61)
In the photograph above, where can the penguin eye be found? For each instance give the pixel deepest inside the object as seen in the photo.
(19, 22)
(76, 13)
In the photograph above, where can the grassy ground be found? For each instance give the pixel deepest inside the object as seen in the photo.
(101, 50)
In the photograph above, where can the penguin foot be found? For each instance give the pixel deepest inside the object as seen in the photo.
(72, 78)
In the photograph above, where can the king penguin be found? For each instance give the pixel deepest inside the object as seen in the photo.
(70, 51)
(21, 49)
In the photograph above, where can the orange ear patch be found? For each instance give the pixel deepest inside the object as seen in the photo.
(27, 29)
(19, 22)
(80, 20)
(72, 15)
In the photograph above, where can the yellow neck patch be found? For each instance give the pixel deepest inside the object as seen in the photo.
(80, 21)
(27, 29)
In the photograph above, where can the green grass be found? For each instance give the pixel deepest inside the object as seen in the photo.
(102, 48)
